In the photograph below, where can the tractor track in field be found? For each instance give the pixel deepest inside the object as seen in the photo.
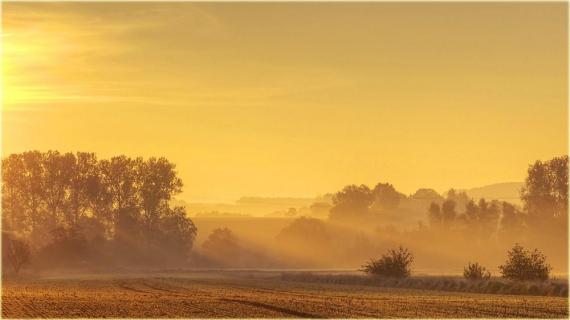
(286, 311)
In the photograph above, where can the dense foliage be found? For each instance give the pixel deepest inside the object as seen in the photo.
(78, 210)
(396, 263)
(523, 264)
(545, 194)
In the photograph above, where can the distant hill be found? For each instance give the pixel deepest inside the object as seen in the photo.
(250, 206)
(505, 191)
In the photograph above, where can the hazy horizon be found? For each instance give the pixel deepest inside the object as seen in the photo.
(316, 195)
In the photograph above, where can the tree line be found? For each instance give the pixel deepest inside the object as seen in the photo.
(67, 204)
(544, 197)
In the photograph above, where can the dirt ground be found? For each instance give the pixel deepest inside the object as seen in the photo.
(223, 296)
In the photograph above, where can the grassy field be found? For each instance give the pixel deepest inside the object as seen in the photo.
(494, 285)
(227, 295)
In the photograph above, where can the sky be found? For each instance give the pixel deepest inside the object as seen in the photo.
(292, 99)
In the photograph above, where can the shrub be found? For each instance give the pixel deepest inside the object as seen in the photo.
(525, 265)
(475, 271)
(395, 263)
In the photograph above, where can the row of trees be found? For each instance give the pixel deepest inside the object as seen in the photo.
(544, 196)
(360, 204)
(69, 202)
(482, 218)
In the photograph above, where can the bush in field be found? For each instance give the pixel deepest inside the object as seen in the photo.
(523, 264)
(475, 271)
(395, 263)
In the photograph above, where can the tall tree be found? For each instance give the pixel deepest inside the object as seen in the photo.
(34, 187)
(121, 177)
(545, 192)
(13, 196)
(56, 184)
(158, 184)
(84, 172)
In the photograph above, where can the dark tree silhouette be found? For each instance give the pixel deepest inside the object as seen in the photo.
(83, 174)
(177, 231)
(545, 192)
(57, 177)
(395, 263)
(158, 183)
(69, 205)
(523, 265)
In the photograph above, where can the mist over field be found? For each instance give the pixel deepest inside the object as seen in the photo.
(78, 212)
(309, 238)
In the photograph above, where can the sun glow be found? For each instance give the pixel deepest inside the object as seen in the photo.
(344, 101)
(24, 57)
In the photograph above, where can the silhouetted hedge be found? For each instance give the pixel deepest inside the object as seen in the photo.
(557, 288)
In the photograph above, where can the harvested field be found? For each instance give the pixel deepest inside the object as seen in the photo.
(193, 296)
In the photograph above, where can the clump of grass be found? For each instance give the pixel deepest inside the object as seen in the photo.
(475, 271)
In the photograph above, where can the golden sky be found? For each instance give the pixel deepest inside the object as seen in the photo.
(292, 99)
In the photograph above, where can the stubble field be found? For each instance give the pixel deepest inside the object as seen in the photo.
(223, 296)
